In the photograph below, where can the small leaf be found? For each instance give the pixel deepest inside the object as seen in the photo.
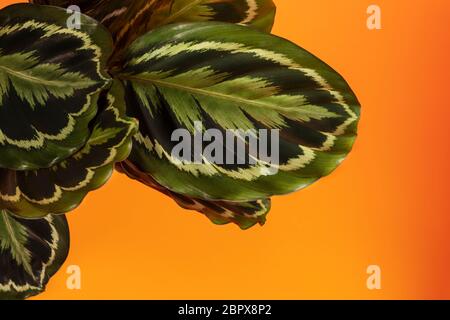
(50, 80)
(244, 214)
(31, 251)
(62, 187)
(228, 77)
(259, 14)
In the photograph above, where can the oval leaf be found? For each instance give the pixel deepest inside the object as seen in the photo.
(31, 252)
(244, 214)
(50, 79)
(223, 77)
(62, 187)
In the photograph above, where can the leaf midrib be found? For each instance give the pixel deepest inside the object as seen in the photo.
(205, 92)
(26, 76)
(16, 243)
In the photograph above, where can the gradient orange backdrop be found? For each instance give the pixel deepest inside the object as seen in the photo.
(387, 204)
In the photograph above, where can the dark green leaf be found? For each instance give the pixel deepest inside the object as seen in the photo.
(50, 80)
(244, 214)
(256, 13)
(125, 19)
(230, 77)
(31, 252)
(62, 187)
(129, 19)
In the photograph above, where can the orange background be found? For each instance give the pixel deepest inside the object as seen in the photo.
(386, 205)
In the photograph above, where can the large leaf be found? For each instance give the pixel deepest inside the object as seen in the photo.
(244, 214)
(31, 252)
(50, 80)
(62, 187)
(229, 77)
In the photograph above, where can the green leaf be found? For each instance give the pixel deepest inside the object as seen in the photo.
(244, 214)
(230, 77)
(62, 187)
(31, 252)
(50, 80)
(125, 19)
(259, 14)
(129, 19)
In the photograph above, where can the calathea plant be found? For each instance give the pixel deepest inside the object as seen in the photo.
(228, 115)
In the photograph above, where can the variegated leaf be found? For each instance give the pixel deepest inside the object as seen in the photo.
(31, 252)
(229, 77)
(125, 19)
(50, 80)
(60, 188)
(244, 214)
(259, 14)
(129, 19)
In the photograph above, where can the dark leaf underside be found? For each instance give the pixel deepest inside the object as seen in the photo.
(244, 214)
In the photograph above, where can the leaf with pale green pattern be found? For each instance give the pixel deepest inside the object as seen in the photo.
(50, 79)
(62, 187)
(230, 77)
(259, 14)
(125, 19)
(129, 19)
(31, 251)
